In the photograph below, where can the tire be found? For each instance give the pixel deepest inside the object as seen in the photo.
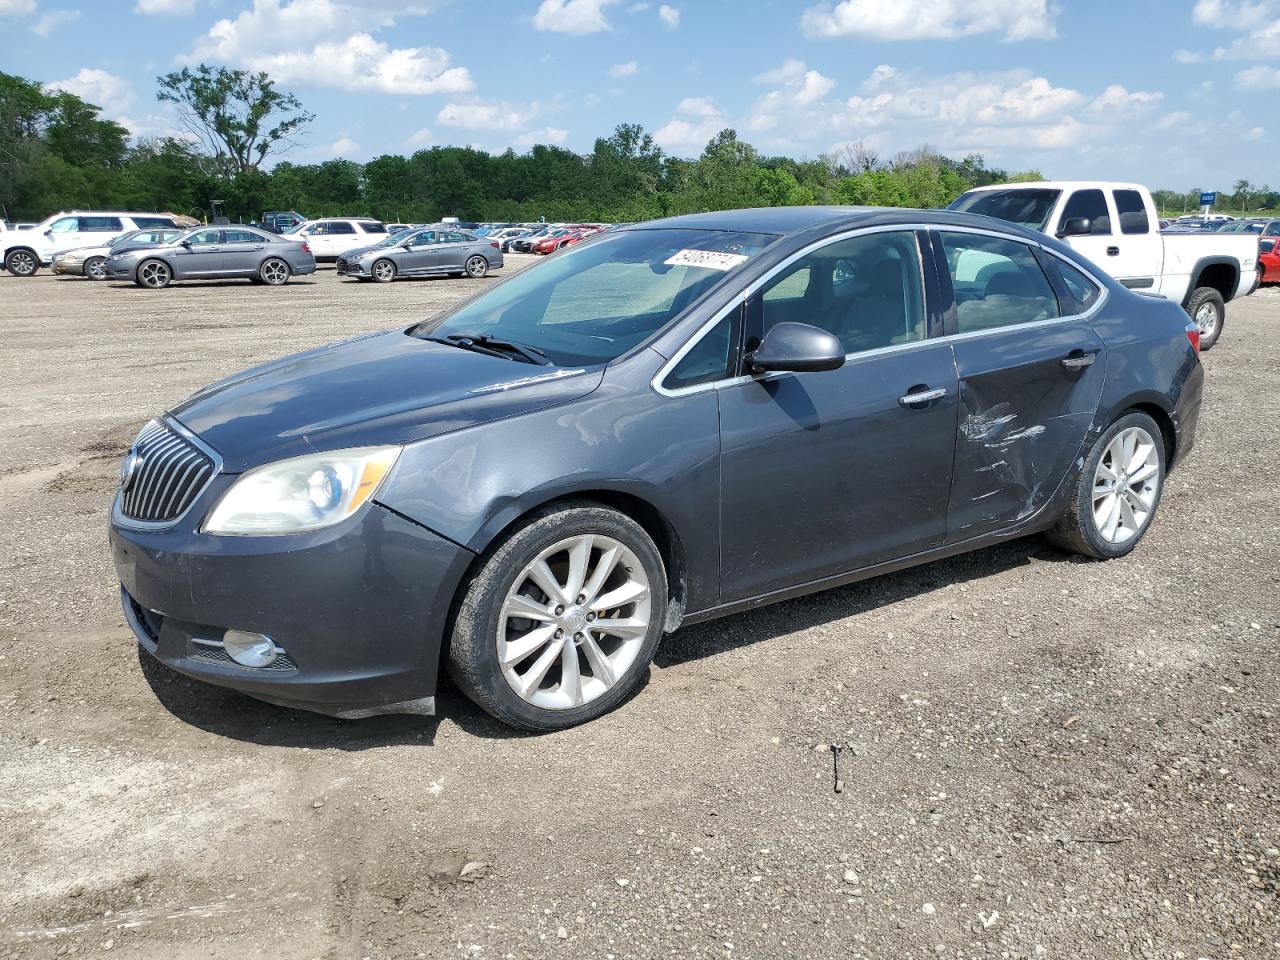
(477, 267)
(274, 272)
(22, 263)
(95, 268)
(608, 667)
(383, 271)
(1209, 312)
(1079, 530)
(153, 274)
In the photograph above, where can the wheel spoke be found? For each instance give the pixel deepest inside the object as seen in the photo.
(516, 650)
(601, 667)
(570, 675)
(540, 573)
(621, 628)
(1140, 454)
(1143, 474)
(604, 567)
(1127, 515)
(1112, 519)
(579, 555)
(1106, 473)
(529, 682)
(518, 605)
(629, 592)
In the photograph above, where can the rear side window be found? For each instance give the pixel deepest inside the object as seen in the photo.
(147, 223)
(1083, 290)
(242, 236)
(372, 226)
(340, 226)
(1131, 211)
(997, 282)
(101, 224)
(1092, 205)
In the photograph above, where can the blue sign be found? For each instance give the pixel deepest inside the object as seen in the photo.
(1208, 199)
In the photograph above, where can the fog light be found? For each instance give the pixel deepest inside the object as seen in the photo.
(249, 649)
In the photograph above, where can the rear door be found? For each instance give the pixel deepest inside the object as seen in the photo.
(343, 236)
(243, 251)
(823, 473)
(1031, 371)
(1139, 251)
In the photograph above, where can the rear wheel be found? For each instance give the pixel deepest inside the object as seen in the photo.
(154, 274)
(95, 268)
(274, 272)
(383, 271)
(561, 622)
(22, 263)
(477, 267)
(1209, 311)
(1117, 492)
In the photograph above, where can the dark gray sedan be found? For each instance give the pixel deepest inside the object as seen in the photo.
(213, 253)
(667, 423)
(433, 251)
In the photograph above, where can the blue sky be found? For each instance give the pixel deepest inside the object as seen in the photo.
(1178, 93)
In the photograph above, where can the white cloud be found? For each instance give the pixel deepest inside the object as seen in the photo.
(1259, 78)
(100, 88)
(485, 115)
(800, 88)
(1234, 14)
(788, 70)
(17, 8)
(1187, 56)
(1116, 99)
(52, 20)
(342, 147)
(627, 69)
(546, 135)
(1255, 133)
(419, 139)
(1260, 44)
(572, 16)
(669, 15)
(696, 121)
(1171, 120)
(308, 42)
(931, 19)
(165, 8)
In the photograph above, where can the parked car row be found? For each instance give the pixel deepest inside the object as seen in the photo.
(24, 252)
(435, 250)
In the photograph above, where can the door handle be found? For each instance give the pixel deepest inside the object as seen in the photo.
(922, 396)
(1113, 251)
(1078, 360)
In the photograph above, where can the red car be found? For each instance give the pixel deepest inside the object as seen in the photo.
(565, 238)
(1269, 260)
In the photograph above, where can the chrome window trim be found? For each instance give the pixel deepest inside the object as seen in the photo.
(754, 287)
(117, 515)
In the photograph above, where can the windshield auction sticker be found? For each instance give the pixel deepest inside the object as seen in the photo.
(709, 259)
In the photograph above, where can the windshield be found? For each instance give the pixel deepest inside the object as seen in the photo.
(1025, 207)
(594, 302)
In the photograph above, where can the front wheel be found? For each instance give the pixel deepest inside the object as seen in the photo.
(477, 267)
(1117, 492)
(154, 274)
(384, 271)
(95, 268)
(22, 263)
(1209, 311)
(561, 622)
(274, 272)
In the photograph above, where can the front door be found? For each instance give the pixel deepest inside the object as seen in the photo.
(822, 473)
(1030, 378)
(201, 255)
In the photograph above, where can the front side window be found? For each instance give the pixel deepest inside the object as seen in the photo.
(596, 301)
(1092, 205)
(203, 238)
(1131, 211)
(866, 290)
(65, 225)
(997, 282)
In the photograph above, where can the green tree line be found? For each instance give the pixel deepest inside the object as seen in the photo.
(57, 152)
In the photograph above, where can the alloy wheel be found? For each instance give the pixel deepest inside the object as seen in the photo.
(21, 263)
(384, 271)
(1207, 319)
(477, 267)
(154, 274)
(95, 268)
(573, 622)
(1126, 485)
(275, 272)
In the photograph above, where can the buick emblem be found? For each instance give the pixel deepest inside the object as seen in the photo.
(129, 469)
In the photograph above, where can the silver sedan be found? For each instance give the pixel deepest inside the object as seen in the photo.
(213, 253)
(432, 251)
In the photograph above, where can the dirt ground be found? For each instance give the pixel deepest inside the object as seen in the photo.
(1046, 757)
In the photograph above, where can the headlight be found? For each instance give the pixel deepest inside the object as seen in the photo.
(305, 493)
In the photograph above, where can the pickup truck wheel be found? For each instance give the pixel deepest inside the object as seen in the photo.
(1209, 311)
(22, 263)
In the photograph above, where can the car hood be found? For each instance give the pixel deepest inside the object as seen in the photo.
(84, 251)
(375, 389)
(361, 251)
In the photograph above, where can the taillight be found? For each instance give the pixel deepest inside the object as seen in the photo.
(494, 244)
(306, 247)
(1193, 334)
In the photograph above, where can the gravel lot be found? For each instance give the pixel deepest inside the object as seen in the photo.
(1005, 712)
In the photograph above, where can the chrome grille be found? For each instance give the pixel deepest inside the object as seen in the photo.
(341, 264)
(171, 472)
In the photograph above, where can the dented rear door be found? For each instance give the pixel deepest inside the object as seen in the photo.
(1028, 389)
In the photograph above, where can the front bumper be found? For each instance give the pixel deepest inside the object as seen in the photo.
(359, 610)
(121, 271)
(74, 268)
(351, 268)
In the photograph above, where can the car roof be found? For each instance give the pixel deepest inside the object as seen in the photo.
(1059, 185)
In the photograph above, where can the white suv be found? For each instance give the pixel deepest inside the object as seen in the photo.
(23, 252)
(331, 237)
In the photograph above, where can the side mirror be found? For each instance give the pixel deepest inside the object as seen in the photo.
(1076, 227)
(796, 348)
(185, 243)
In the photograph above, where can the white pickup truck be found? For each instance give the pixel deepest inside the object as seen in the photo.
(1115, 226)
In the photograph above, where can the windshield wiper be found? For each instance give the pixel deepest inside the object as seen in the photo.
(483, 343)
